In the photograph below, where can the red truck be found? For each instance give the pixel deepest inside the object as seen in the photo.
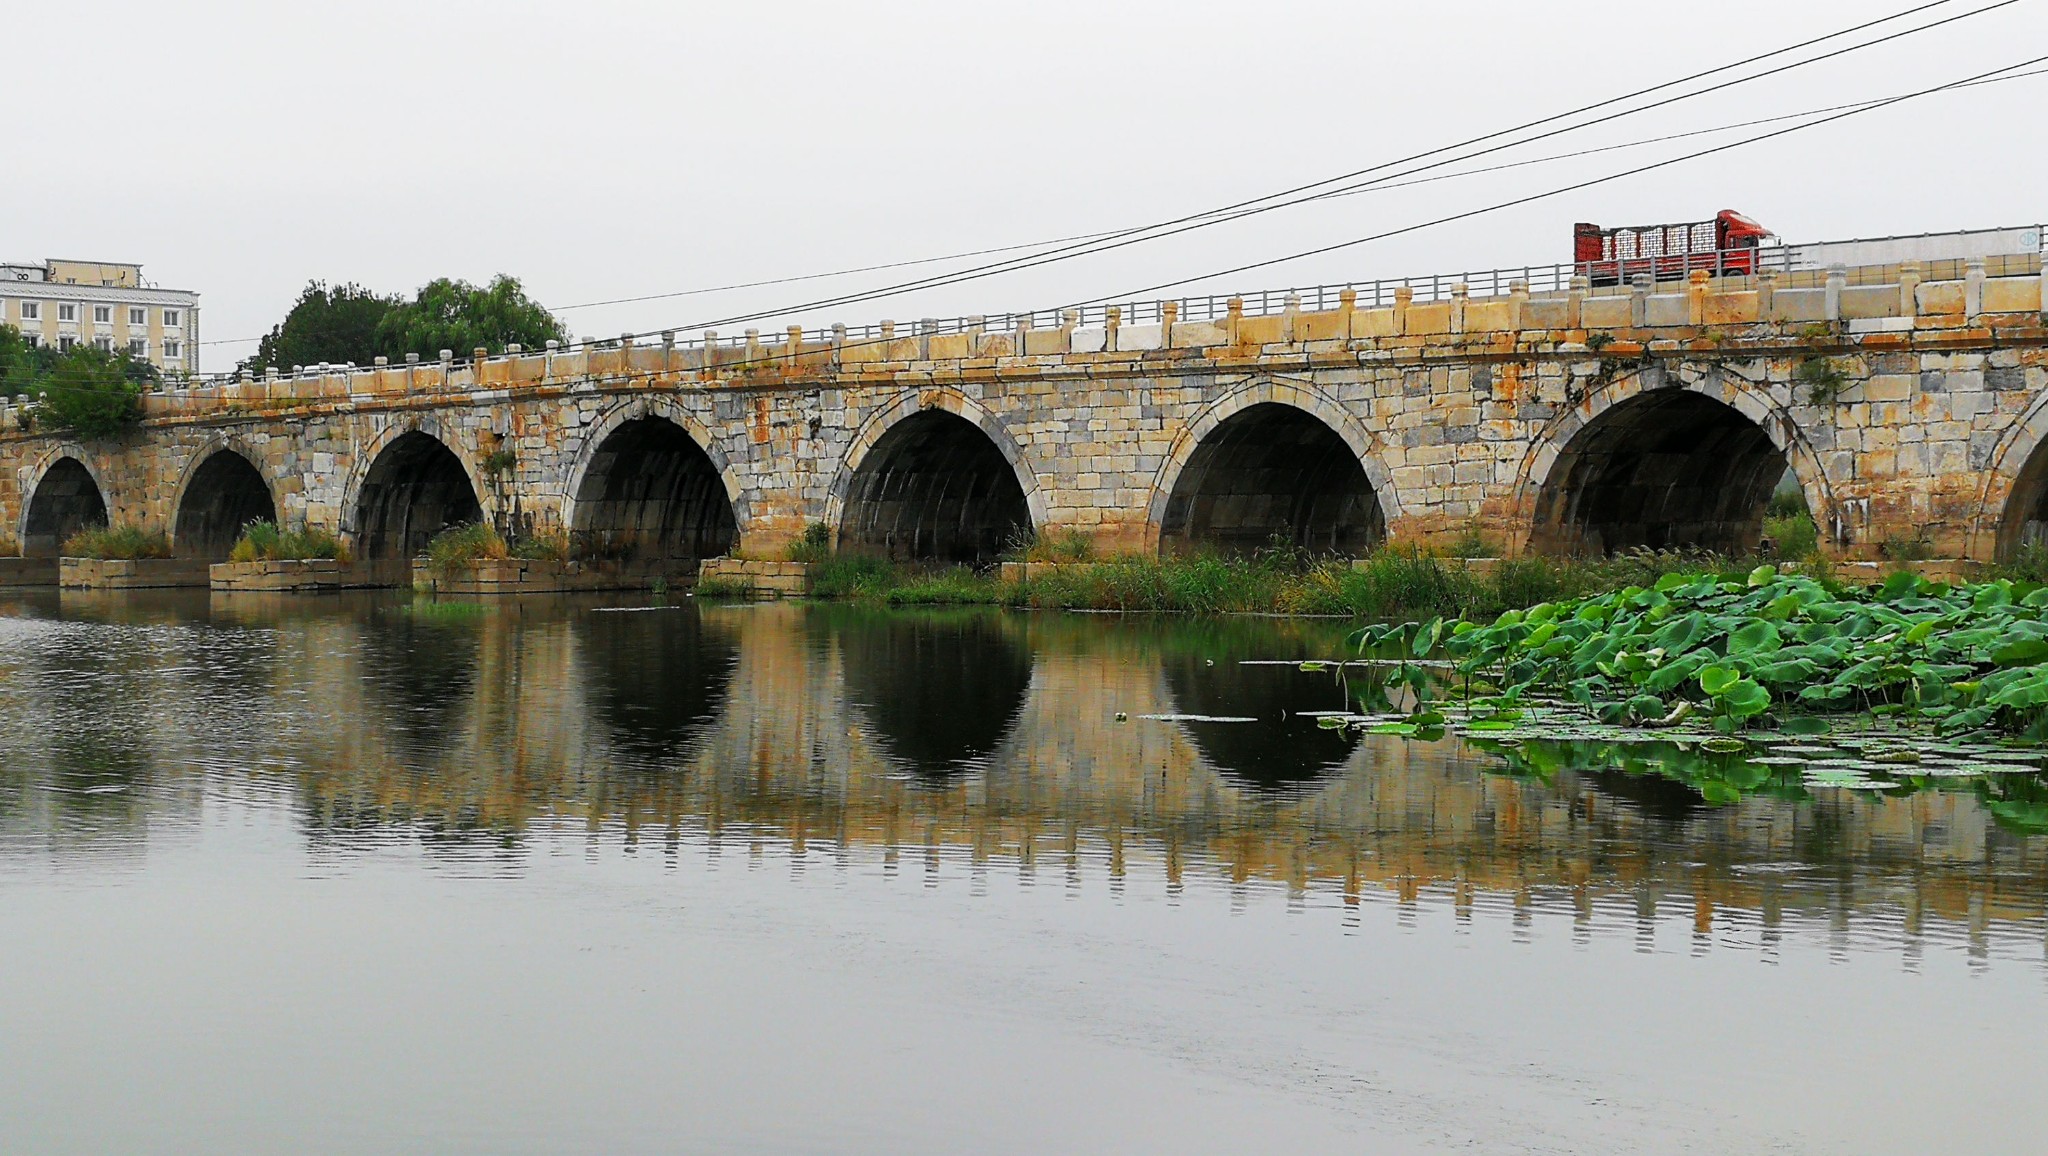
(1725, 245)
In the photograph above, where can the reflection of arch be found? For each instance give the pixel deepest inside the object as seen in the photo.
(940, 690)
(64, 496)
(221, 492)
(644, 486)
(1651, 460)
(1272, 472)
(414, 487)
(637, 409)
(658, 681)
(1281, 749)
(2012, 505)
(935, 476)
(1301, 397)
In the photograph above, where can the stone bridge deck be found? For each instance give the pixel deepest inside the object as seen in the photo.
(1661, 416)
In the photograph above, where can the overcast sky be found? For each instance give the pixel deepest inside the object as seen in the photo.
(604, 148)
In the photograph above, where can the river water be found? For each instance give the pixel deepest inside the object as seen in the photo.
(352, 874)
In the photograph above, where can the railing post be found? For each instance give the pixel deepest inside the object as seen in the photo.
(1461, 294)
(1575, 300)
(1023, 334)
(710, 351)
(1973, 289)
(838, 342)
(795, 345)
(1518, 302)
(1112, 321)
(1639, 288)
(1696, 297)
(975, 325)
(1070, 320)
(888, 341)
(925, 328)
(1290, 317)
(1169, 316)
(1347, 304)
(1766, 293)
(1838, 280)
(668, 351)
(1404, 296)
(1909, 288)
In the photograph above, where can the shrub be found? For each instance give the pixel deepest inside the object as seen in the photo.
(1794, 535)
(814, 545)
(117, 542)
(264, 542)
(721, 588)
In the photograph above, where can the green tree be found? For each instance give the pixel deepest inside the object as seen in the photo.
(94, 394)
(458, 316)
(23, 367)
(333, 325)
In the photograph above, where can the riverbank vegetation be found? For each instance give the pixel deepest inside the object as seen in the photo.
(119, 542)
(1770, 649)
(459, 549)
(265, 542)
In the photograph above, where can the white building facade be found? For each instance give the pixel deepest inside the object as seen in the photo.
(63, 303)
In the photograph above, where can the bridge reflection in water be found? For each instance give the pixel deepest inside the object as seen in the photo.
(928, 739)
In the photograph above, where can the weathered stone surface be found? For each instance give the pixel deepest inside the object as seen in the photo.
(1460, 420)
(130, 574)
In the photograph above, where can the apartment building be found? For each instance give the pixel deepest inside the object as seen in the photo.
(108, 304)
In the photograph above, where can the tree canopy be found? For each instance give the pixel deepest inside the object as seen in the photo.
(348, 323)
(85, 390)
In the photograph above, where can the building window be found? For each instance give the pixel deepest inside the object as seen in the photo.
(138, 316)
(170, 319)
(31, 311)
(103, 343)
(138, 347)
(35, 340)
(173, 350)
(66, 342)
(67, 312)
(103, 315)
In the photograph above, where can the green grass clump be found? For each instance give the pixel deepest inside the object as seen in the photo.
(460, 548)
(1794, 535)
(722, 588)
(1059, 546)
(264, 542)
(125, 542)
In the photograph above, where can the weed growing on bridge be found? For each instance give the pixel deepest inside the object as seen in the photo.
(1824, 380)
(459, 548)
(264, 542)
(117, 542)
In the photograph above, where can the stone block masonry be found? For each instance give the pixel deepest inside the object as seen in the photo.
(1578, 421)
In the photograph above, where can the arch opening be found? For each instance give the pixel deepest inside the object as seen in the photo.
(67, 500)
(1664, 470)
(415, 489)
(1273, 473)
(2024, 526)
(934, 488)
(226, 493)
(650, 493)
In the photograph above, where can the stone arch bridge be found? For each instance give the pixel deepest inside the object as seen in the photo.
(1908, 403)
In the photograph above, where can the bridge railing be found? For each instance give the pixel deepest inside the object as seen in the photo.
(1730, 268)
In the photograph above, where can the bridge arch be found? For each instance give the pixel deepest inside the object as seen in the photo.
(1667, 459)
(221, 492)
(2012, 506)
(1273, 458)
(934, 477)
(408, 485)
(64, 495)
(650, 479)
